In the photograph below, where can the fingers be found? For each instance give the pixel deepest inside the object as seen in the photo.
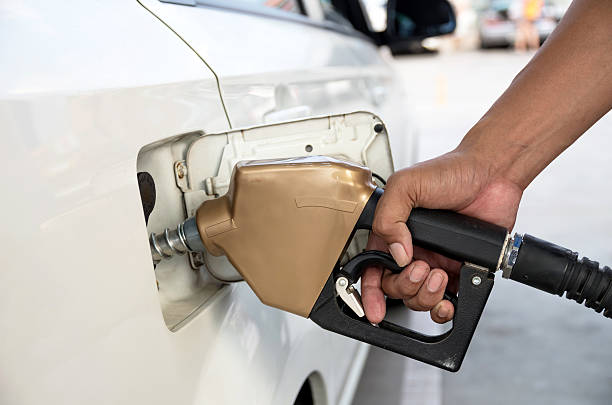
(406, 284)
(376, 243)
(430, 293)
(392, 212)
(421, 289)
(436, 260)
(372, 296)
(442, 312)
(451, 267)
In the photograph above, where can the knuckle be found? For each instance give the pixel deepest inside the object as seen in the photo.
(421, 263)
(402, 183)
(395, 179)
(409, 303)
(413, 304)
(425, 301)
(407, 288)
(382, 226)
(392, 287)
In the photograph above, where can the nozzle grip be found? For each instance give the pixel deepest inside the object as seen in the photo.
(445, 351)
(457, 236)
(453, 235)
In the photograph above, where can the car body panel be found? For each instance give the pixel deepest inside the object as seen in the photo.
(287, 70)
(81, 319)
(89, 85)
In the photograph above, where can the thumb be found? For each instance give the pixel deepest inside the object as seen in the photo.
(390, 218)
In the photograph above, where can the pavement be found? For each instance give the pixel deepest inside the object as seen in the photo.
(530, 347)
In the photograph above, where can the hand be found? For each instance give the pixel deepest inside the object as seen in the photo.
(561, 92)
(457, 181)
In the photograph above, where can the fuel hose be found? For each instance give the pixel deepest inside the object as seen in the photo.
(557, 270)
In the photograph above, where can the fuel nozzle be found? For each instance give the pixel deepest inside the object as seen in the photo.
(178, 241)
(285, 225)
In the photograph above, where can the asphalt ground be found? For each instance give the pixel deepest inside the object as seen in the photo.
(530, 347)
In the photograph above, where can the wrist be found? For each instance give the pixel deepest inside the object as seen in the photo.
(499, 153)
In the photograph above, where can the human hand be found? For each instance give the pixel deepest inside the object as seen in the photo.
(456, 181)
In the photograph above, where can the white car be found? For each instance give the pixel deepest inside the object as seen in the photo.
(101, 102)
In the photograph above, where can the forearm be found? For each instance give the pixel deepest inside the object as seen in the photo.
(564, 90)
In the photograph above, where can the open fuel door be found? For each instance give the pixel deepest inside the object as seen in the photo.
(178, 174)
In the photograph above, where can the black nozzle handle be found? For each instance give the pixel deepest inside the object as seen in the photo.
(453, 235)
(446, 350)
(557, 270)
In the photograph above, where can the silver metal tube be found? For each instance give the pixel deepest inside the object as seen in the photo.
(183, 239)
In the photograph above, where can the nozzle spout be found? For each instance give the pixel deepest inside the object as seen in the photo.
(184, 238)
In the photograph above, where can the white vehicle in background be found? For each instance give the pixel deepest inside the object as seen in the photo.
(497, 20)
(108, 108)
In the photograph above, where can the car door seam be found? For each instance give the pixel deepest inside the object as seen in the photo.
(199, 56)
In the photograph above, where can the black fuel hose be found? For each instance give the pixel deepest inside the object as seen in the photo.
(557, 270)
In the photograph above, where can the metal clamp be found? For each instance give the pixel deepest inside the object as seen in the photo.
(510, 254)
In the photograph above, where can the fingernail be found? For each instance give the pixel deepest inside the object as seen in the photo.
(417, 274)
(443, 312)
(399, 254)
(435, 282)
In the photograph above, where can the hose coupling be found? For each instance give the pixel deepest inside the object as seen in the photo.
(510, 254)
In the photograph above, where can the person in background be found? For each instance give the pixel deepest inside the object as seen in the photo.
(527, 35)
(563, 90)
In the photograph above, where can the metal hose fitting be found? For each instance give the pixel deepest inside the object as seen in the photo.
(510, 254)
(185, 238)
(557, 270)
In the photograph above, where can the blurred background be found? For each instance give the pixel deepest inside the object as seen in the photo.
(529, 348)
(486, 24)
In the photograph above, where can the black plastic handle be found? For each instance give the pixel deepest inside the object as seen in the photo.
(457, 236)
(454, 235)
(446, 351)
